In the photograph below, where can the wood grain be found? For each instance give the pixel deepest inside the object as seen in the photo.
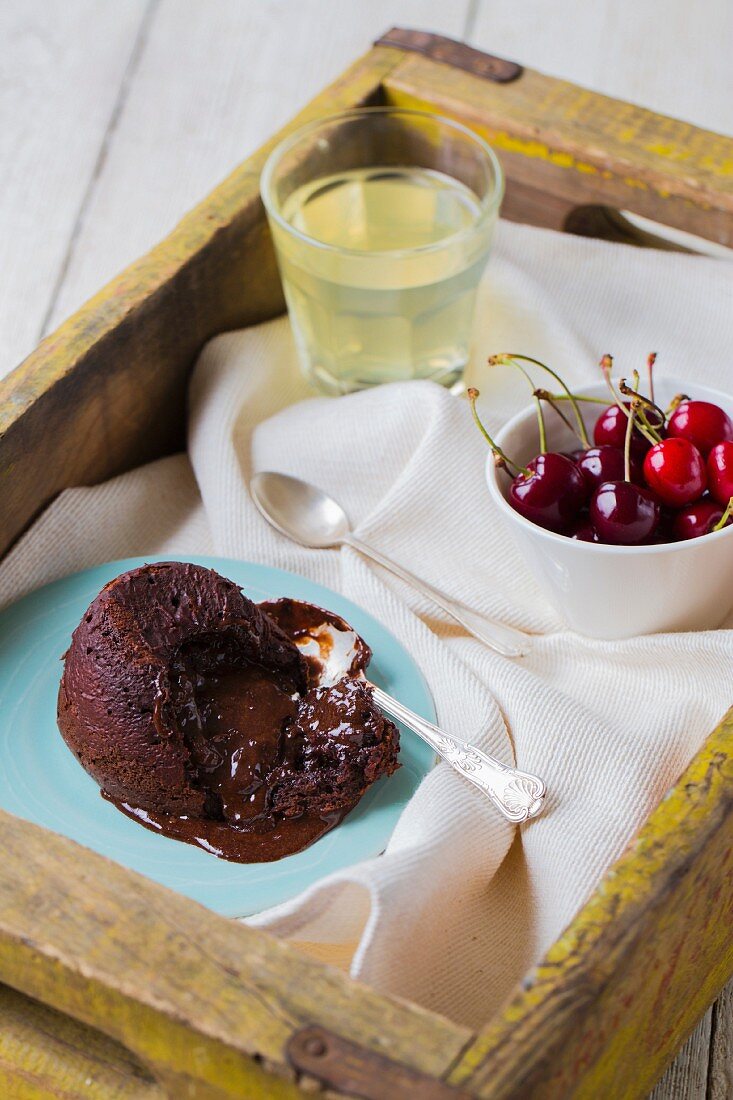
(194, 996)
(687, 1077)
(44, 1053)
(62, 68)
(662, 56)
(720, 1067)
(131, 347)
(115, 374)
(608, 1007)
(107, 224)
(581, 148)
(228, 85)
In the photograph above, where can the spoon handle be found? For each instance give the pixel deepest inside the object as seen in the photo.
(517, 795)
(502, 639)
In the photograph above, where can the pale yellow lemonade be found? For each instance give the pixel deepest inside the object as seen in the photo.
(364, 311)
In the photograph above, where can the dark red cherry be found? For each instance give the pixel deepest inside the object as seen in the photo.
(584, 531)
(675, 470)
(720, 472)
(665, 531)
(703, 423)
(606, 463)
(697, 519)
(623, 514)
(610, 430)
(552, 495)
(599, 464)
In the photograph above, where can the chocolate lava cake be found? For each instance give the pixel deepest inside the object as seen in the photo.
(199, 716)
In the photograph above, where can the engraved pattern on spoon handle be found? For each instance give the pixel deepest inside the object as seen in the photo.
(503, 639)
(516, 794)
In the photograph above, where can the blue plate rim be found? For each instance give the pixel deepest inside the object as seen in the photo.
(270, 577)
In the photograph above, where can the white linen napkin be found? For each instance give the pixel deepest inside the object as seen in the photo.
(461, 904)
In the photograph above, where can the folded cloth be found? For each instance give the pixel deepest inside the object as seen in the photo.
(461, 904)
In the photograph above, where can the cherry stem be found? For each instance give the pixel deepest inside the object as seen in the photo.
(540, 412)
(675, 403)
(627, 440)
(725, 516)
(650, 361)
(543, 395)
(472, 395)
(510, 356)
(646, 404)
(606, 367)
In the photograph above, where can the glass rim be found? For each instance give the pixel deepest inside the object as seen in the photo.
(488, 204)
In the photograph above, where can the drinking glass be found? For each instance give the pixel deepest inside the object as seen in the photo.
(382, 220)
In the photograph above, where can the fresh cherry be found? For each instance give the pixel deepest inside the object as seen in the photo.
(720, 472)
(623, 514)
(606, 463)
(675, 470)
(697, 519)
(703, 423)
(552, 494)
(599, 464)
(610, 430)
(584, 531)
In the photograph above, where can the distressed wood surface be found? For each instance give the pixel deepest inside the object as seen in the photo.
(131, 347)
(720, 1067)
(687, 1077)
(45, 1053)
(200, 1000)
(230, 81)
(661, 55)
(580, 147)
(115, 373)
(91, 196)
(609, 1005)
(59, 81)
(104, 178)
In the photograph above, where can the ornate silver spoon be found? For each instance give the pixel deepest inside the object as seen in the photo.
(516, 794)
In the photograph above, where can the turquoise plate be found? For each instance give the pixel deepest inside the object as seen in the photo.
(41, 781)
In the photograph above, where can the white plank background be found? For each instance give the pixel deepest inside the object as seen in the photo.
(116, 116)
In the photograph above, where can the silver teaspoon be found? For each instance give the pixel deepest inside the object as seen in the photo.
(516, 794)
(308, 516)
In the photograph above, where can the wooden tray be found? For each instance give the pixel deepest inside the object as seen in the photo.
(115, 987)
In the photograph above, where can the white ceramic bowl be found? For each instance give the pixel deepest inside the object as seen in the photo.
(618, 591)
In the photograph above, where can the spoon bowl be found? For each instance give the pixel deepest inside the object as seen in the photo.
(299, 510)
(308, 516)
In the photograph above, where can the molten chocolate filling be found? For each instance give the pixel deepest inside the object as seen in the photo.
(221, 732)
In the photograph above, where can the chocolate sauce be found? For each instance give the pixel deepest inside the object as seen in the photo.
(278, 767)
(285, 837)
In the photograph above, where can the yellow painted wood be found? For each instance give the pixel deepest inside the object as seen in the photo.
(616, 995)
(114, 375)
(46, 1054)
(563, 146)
(206, 1005)
(189, 993)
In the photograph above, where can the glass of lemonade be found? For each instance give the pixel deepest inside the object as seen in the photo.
(382, 220)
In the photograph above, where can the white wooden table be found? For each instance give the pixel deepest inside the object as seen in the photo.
(116, 116)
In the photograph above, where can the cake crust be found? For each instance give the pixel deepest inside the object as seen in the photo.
(194, 710)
